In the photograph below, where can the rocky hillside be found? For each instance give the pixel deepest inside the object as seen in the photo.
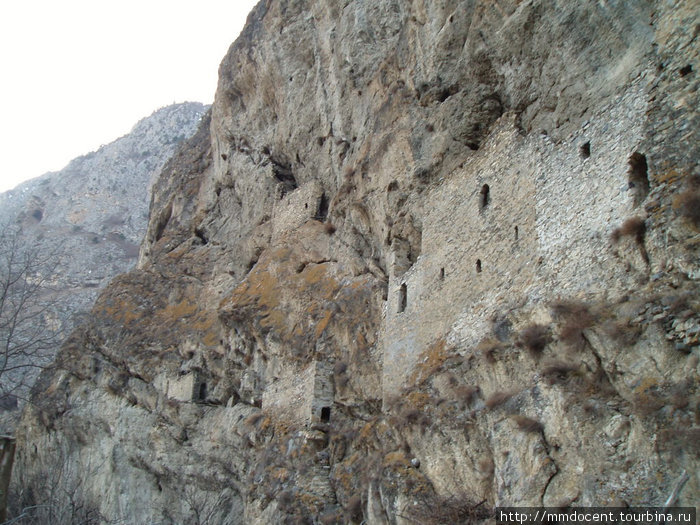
(88, 219)
(422, 259)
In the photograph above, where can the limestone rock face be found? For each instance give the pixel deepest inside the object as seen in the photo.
(421, 260)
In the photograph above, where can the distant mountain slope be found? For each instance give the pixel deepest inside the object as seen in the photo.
(97, 206)
(94, 211)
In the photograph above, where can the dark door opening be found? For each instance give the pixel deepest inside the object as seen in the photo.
(638, 177)
(325, 414)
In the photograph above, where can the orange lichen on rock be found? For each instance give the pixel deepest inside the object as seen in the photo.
(430, 361)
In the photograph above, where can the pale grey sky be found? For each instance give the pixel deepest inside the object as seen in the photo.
(80, 73)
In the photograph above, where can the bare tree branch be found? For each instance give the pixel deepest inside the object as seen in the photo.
(30, 317)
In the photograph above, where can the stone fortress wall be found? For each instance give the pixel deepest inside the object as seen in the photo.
(531, 222)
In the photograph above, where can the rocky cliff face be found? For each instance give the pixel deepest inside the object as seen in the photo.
(422, 259)
(88, 219)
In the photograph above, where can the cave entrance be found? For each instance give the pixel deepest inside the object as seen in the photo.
(325, 414)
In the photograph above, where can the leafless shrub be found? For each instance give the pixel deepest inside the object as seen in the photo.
(558, 371)
(439, 402)
(688, 205)
(345, 189)
(571, 332)
(566, 309)
(575, 316)
(677, 303)
(329, 228)
(31, 318)
(647, 403)
(466, 393)
(589, 408)
(394, 403)
(679, 400)
(354, 508)
(528, 424)
(534, 338)
(622, 332)
(57, 493)
(679, 394)
(331, 518)
(497, 399)
(489, 348)
(204, 505)
(680, 440)
(340, 368)
(486, 466)
(285, 499)
(253, 419)
(431, 509)
(490, 356)
(632, 227)
(413, 416)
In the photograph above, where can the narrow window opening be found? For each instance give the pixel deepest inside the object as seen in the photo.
(402, 298)
(202, 392)
(478, 266)
(325, 414)
(638, 178)
(516, 233)
(585, 150)
(484, 196)
(322, 208)
(442, 274)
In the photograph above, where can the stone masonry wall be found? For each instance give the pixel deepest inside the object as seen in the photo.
(289, 396)
(564, 204)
